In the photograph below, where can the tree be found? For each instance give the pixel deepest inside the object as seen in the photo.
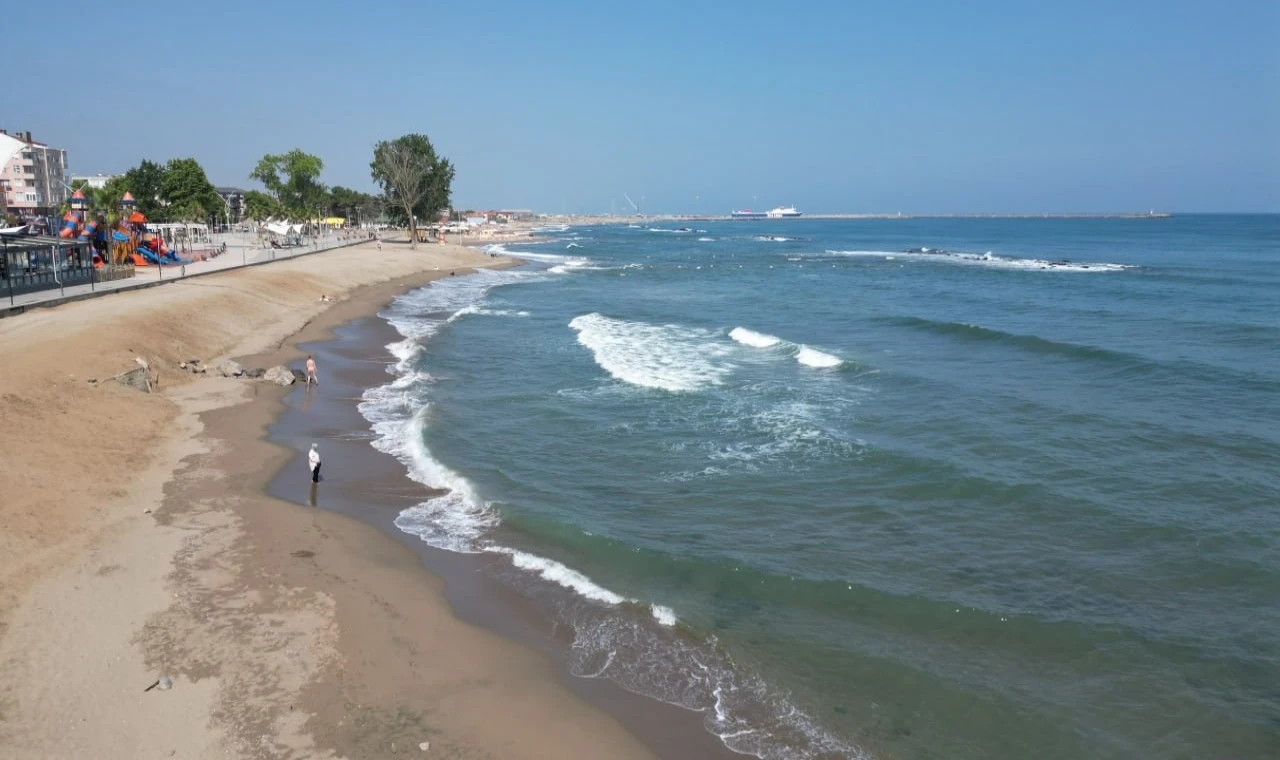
(353, 205)
(187, 193)
(259, 206)
(294, 179)
(414, 180)
(145, 181)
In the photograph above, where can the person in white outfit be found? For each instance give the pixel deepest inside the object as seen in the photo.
(313, 459)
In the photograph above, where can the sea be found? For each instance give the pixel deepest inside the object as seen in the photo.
(881, 488)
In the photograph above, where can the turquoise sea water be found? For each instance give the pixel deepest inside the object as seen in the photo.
(1012, 497)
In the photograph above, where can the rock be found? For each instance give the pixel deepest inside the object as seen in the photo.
(424, 746)
(299, 375)
(182, 365)
(255, 373)
(228, 368)
(166, 683)
(280, 375)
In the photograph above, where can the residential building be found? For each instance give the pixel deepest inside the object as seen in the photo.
(34, 179)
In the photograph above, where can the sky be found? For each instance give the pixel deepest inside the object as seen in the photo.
(857, 107)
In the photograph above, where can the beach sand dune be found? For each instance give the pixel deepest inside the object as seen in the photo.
(138, 543)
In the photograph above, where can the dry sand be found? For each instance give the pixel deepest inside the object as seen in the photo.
(138, 542)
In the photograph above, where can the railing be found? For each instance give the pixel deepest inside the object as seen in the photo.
(221, 251)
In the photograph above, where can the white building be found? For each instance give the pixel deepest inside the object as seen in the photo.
(96, 181)
(33, 182)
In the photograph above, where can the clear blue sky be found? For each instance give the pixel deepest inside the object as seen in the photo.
(696, 106)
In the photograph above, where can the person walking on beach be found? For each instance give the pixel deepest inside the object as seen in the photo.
(311, 372)
(313, 460)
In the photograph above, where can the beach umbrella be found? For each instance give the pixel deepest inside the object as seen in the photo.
(137, 218)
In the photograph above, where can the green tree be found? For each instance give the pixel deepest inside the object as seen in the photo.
(108, 197)
(356, 207)
(414, 180)
(187, 193)
(145, 181)
(259, 206)
(293, 178)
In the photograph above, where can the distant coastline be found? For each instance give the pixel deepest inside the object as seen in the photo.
(726, 217)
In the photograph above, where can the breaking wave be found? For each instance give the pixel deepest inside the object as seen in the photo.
(987, 259)
(663, 357)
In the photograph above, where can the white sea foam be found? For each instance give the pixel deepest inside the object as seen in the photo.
(398, 411)
(773, 239)
(560, 574)
(482, 311)
(706, 240)
(665, 357)
(812, 357)
(664, 615)
(752, 338)
(989, 259)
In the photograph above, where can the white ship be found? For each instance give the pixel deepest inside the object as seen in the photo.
(781, 212)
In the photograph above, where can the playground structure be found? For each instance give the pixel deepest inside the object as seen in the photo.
(131, 241)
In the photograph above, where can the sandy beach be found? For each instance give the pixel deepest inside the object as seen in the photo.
(140, 546)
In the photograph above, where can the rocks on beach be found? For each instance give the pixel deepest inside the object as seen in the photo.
(280, 375)
(228, 368)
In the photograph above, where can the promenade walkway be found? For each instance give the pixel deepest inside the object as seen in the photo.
(241, 252)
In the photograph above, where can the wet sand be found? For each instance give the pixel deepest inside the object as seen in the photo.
(372, 487)
(140, 543)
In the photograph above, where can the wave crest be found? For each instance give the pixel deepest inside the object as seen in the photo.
(662, 357)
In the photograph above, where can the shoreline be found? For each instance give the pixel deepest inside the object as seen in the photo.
(169, 561)
(372, 487)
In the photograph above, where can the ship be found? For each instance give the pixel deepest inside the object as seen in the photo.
(781, 212)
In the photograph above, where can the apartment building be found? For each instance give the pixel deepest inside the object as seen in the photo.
(33, 182)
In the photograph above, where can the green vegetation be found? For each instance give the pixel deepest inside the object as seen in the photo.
(188, 195)
(178, 191)
(415, 182)
(259, 206)
(354, 206)
(293, 179)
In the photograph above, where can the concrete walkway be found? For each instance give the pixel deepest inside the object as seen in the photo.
(236, 257)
